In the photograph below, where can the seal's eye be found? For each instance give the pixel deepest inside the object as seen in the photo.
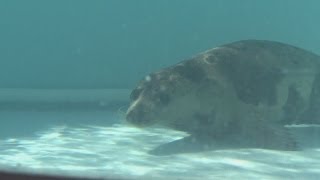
(164, 98)
(135, 94)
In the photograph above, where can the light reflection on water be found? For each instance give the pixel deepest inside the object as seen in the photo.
(121, 150)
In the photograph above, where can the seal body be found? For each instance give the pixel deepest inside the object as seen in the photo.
(237, 95)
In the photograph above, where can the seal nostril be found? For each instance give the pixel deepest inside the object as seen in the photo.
(134, 116)
(128, 114)
(139, 117)
(130, 117)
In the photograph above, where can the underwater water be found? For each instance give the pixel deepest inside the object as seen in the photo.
(67, 69)
(119, 150)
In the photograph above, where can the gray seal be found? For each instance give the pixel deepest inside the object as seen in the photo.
(238, 95)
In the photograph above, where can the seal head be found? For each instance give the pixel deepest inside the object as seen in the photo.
(159, 94)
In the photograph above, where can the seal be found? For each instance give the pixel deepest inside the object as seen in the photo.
(238, 95)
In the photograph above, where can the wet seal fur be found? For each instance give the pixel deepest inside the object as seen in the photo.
(238, 95)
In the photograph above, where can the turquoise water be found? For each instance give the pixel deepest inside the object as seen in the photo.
(112, 44)
(67, 68)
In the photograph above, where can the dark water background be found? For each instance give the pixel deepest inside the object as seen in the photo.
(113, 43)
